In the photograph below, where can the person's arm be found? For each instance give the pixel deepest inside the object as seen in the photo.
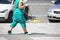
(21, 5)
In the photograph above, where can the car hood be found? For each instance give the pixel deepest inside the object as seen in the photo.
(54, 6)
(4, 6)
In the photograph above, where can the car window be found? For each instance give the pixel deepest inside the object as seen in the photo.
(5, 1)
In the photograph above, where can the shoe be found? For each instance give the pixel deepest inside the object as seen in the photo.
(27, 33)
(9, 32)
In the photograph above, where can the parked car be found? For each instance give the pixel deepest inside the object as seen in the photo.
(6, 10)
(54, 11)
(6, 7)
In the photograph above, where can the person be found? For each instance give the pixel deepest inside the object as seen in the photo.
(26, 9)
(18, 16)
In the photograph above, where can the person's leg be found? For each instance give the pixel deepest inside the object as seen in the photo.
(25, 30)
(10, 28)
(13, 24)
(23, 24)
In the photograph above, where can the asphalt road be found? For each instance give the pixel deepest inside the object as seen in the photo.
(29, 37)
(39, 10)
(46, 32)
(36, 1)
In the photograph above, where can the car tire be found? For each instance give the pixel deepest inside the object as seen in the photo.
(10, 17)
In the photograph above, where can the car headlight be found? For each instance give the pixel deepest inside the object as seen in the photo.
(3, 11)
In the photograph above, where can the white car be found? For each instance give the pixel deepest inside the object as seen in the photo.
(54, 12)
(6, 9)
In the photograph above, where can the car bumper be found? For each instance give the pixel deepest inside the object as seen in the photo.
(54, 16)
(3, 16)
(2, 19)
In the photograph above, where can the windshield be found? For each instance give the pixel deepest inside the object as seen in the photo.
(5, 1)
(57, 2)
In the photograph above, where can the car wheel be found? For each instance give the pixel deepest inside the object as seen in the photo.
(10, 16)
